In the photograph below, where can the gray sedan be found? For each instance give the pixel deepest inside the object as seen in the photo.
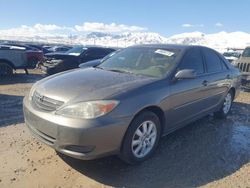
(126, 104)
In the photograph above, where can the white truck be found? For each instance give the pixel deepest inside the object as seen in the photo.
(12, 58)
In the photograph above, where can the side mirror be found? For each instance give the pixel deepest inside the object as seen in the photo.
(185, 74)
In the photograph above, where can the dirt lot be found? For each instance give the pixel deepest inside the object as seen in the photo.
(209, 152)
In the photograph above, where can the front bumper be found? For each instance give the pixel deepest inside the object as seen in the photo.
(245, 80)
(49, 69)
(78, 138)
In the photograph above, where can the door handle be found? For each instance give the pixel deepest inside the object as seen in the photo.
(205, 82)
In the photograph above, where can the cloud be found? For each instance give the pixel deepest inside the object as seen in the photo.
(49, 27)
(218, 24)
(110, 28)
(37, 29)
(192, 25)
(50, 30)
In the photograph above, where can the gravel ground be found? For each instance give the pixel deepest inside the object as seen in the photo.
(207, 153)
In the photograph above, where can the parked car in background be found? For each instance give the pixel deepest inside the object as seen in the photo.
(127, 103)
(40, 47)
(244, 65)
(231, 56)
(34, 55)
(12, 58)
(58, 62)
(97, 62)
(46, 47)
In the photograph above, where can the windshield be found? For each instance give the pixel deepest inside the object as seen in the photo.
(231, 54)
(76, 51)
(246, 53)
(152, 62)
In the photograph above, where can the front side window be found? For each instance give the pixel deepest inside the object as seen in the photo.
(145, 61)
(193, 60)
(213, 62)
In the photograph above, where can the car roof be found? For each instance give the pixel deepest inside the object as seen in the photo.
(170, 46)
(95, 47)
(11, 47)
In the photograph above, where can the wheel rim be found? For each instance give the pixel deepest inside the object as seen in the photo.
(144, 139)
(227, 103)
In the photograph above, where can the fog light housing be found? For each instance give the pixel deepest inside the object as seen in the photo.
(79, 149)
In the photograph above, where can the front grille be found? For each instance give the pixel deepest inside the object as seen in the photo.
(44, 103)
(244, 67)
(42, 136)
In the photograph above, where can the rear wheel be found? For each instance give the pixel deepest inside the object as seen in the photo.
(5, 69)
(142, 138)
(226, 107)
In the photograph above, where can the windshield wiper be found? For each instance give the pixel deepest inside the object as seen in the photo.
(97, 67)
(120, 71)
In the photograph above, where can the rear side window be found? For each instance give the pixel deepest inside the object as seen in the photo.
(193, 60)
(213, 62)
(223, 63)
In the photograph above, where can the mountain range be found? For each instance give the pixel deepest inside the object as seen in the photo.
(219, 41)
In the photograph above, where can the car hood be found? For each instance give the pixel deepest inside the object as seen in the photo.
(244, 60)
(89, 84)
(60, 56)
(92, 63)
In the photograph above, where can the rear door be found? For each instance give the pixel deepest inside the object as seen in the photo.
(188, 96)
(217, 77)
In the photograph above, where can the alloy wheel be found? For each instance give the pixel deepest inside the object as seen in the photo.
(144, 139)
(227, 103)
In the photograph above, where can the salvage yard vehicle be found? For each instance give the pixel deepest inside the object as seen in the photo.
(127, 103)
(97, 62)
(34, 55)
(12, 58)
(244, 65)
(58, 62)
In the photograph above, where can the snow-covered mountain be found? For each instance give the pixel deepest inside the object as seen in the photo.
(219, 41)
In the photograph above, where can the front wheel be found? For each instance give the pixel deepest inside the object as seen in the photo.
(5, 69)
(226, 107)
(142, 138)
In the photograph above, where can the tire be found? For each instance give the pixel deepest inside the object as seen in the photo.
(145, 145)
(226, 106)
(5, 69)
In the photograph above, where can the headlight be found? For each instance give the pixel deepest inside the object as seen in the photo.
(32, 90)
(88, 110)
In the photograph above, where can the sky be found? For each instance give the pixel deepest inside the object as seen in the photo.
(162, 16)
